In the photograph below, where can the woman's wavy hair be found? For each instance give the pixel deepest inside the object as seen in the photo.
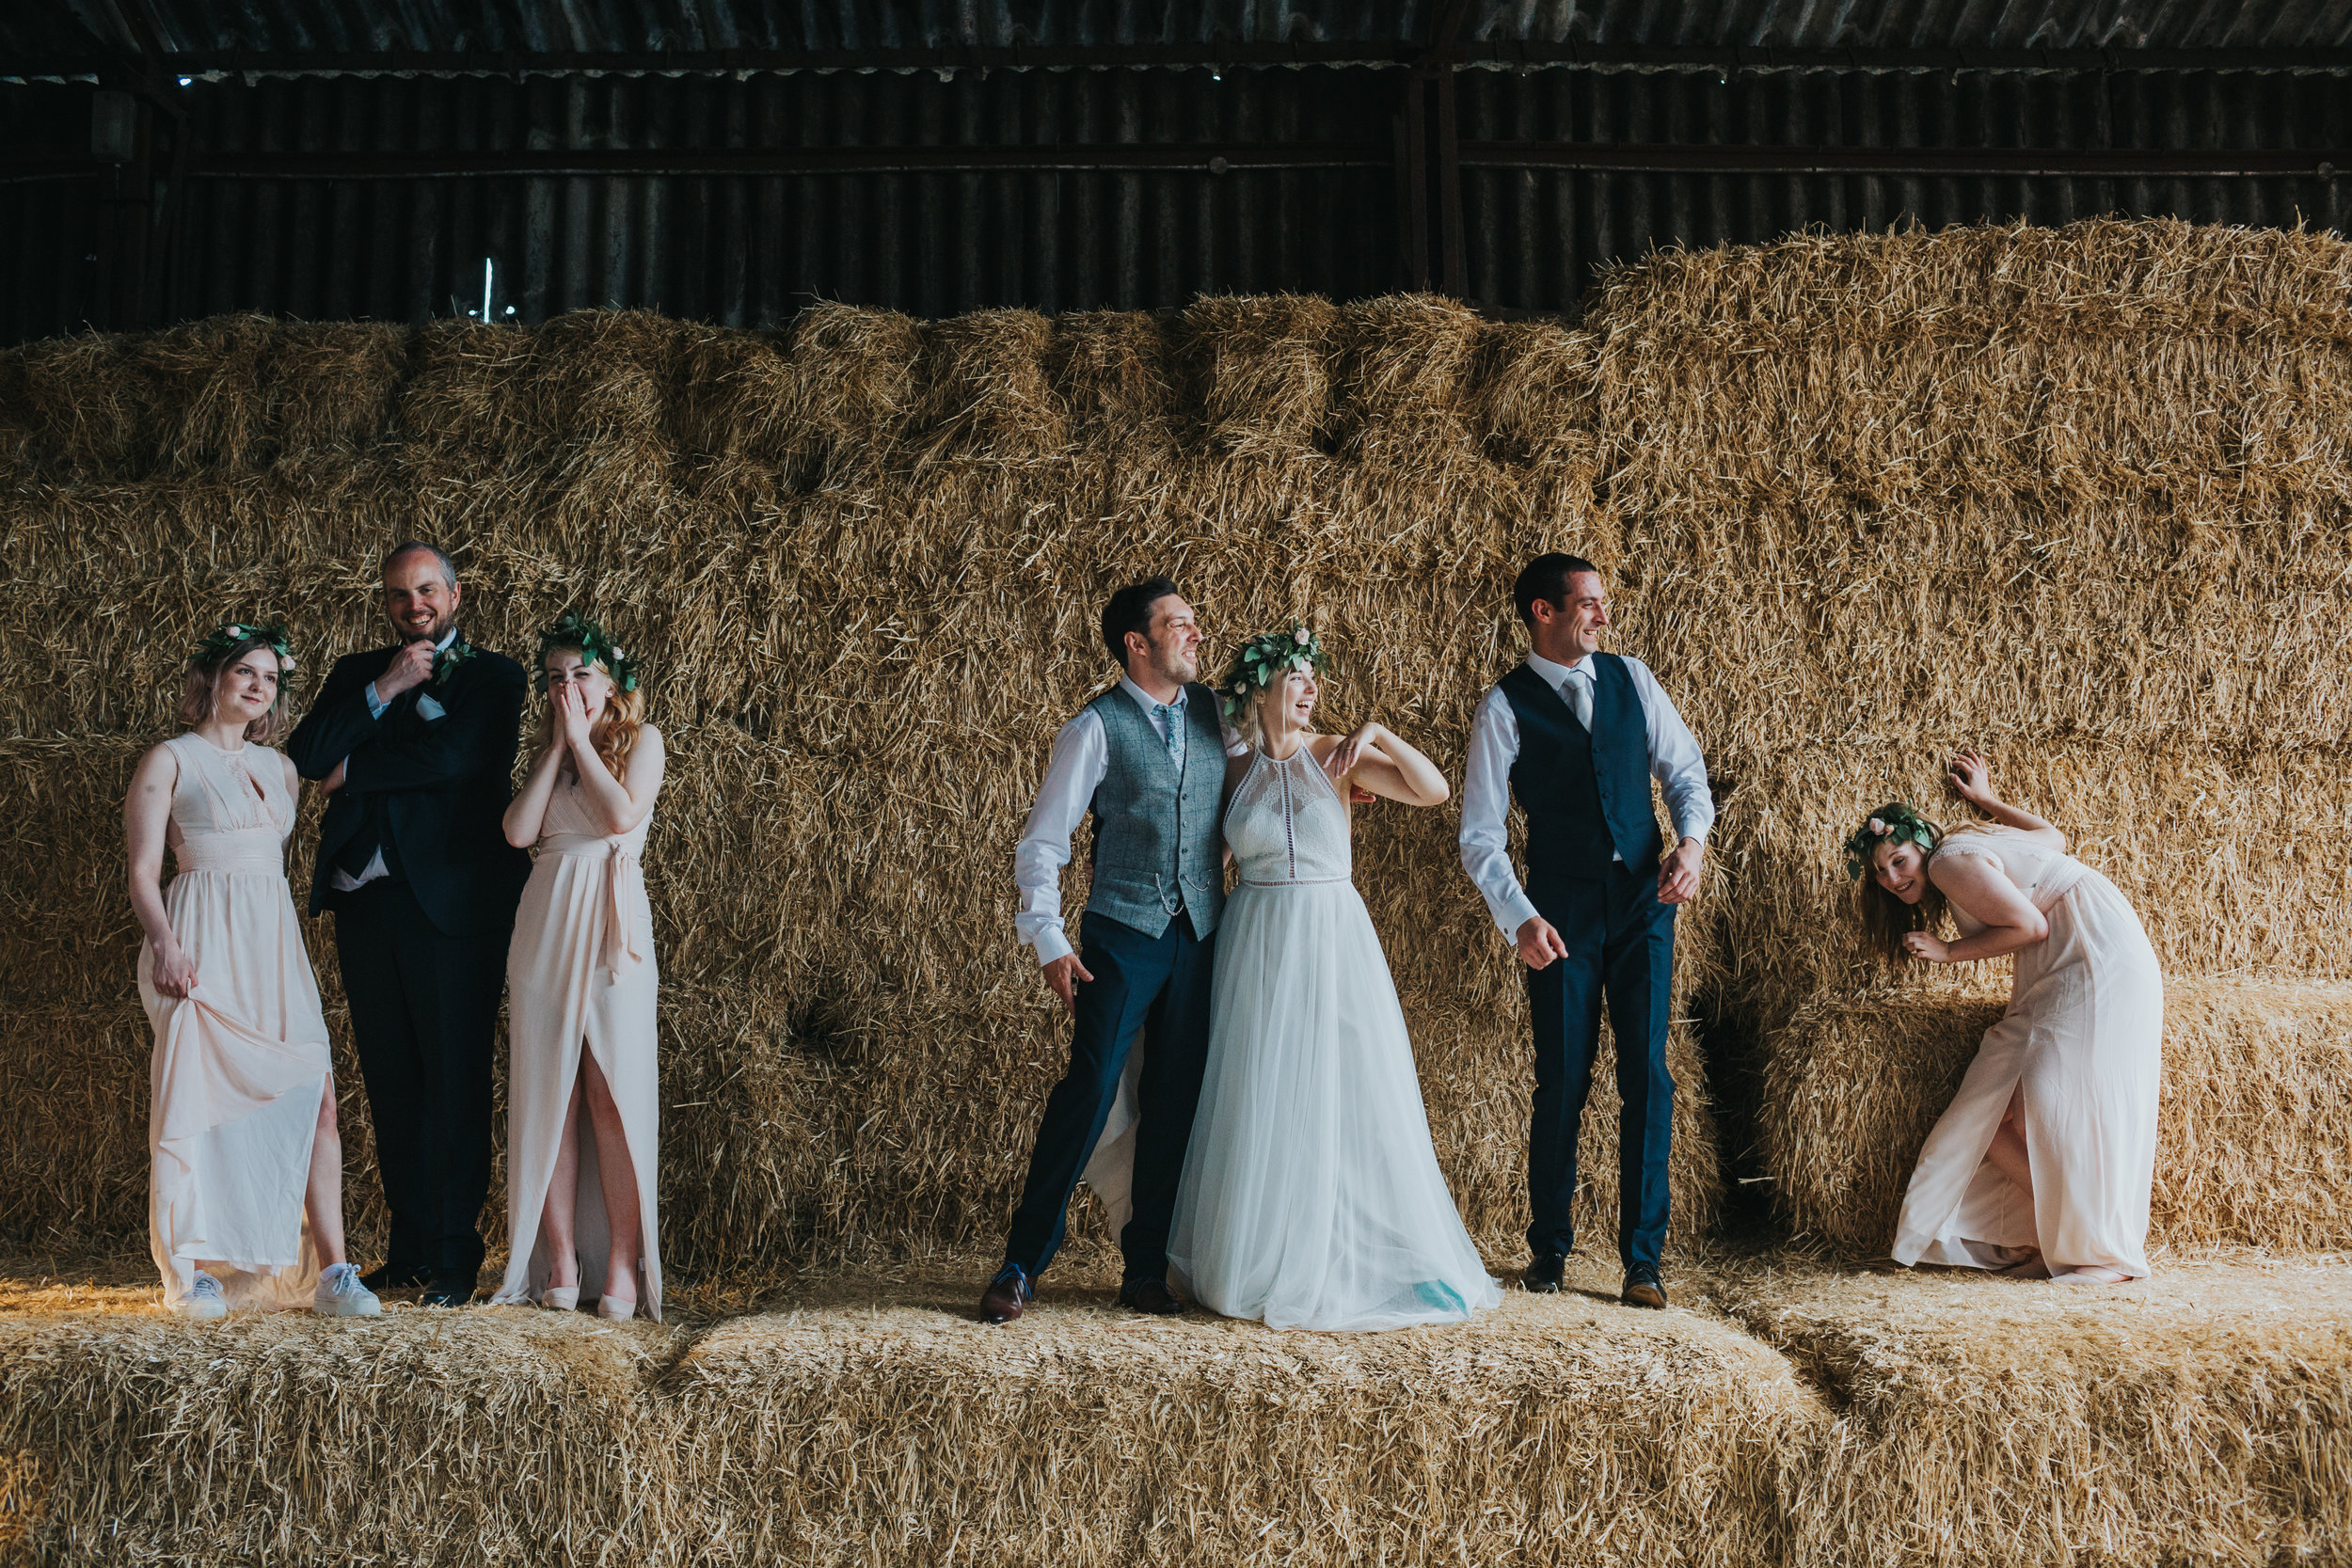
(205, 668)
(614, 735)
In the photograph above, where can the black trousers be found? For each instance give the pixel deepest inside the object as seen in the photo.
(424, 1016)
(1160, 987)
(1621, 949)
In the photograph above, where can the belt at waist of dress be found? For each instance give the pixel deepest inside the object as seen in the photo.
(622, 878)
(1302, 882)
(252, 853)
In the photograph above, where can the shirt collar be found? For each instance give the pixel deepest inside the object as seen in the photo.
(447, 637)
(1555, 676)
(1150, 702)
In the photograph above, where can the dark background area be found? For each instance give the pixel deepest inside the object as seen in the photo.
(163, 160)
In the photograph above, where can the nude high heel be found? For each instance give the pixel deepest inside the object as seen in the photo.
(559, 1298)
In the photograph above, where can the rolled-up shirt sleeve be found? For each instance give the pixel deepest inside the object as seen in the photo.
(1673, 757)
(1072, 777)
(1485, 814)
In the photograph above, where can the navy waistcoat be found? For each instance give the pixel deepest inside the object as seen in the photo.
(1585, 792)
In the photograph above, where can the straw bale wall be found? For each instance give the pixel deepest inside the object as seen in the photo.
(2078, 495)
(862, 560)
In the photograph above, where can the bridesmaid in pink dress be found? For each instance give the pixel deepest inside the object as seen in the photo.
(2043, 1164)
(581, 988)
(245, 1200)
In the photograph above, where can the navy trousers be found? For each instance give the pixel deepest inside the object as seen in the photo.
(1621, 946)
(1160, 987)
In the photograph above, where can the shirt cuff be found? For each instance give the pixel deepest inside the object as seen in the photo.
(1517, 911)
(1051, 944)
(375, 704)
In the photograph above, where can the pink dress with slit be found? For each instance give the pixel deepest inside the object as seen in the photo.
(2083, 1037)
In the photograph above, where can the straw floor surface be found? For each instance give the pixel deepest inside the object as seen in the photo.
(1779, 1414)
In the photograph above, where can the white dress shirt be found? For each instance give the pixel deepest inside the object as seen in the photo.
(1081, 757)
(1674, 762)
(343, 881)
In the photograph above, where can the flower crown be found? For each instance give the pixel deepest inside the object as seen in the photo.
(576, 630)
(1895, 821)
(1263, 660)
(225, 639)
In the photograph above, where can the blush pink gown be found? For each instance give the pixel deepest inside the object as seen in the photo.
(239, 1064)
(581, 975)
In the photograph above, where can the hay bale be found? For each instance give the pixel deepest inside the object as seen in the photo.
(2204, 1415)
(2252, 1134)
(864, 1420)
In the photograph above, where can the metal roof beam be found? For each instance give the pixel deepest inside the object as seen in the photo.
(1723, 60)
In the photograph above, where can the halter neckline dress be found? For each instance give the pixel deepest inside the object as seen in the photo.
(1312, 1196)
(241, 1062)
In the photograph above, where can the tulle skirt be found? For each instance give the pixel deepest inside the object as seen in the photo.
(1310, 1195)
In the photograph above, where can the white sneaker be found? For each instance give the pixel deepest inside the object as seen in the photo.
(203, 1301)
(340, 1294)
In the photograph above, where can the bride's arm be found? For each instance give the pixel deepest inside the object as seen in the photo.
(1385, 763)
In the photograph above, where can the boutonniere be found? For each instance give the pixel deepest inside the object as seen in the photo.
(447, 661)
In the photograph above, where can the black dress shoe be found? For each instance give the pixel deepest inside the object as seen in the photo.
(1149, 1295)
(1008, 1295)
(394, 1278)
(1643, 1289)
(448, 1290)
(1543, 1275)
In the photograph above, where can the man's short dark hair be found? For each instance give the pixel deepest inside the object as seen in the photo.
(1547, 579)
(413, 546)
(1130, 609)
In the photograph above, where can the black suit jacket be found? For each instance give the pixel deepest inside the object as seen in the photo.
(440, 783)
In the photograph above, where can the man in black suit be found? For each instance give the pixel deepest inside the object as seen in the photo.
(414, 745)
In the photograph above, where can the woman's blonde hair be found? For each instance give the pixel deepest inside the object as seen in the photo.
(615, 735)
(205, 668)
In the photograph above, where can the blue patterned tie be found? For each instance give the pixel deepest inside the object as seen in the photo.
(1171, 716)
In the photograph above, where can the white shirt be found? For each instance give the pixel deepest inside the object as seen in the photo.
(1081, 757)
(1674, 761)
(343, 881)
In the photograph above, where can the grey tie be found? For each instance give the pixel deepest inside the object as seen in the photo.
(1577, 690)
(1171, 717)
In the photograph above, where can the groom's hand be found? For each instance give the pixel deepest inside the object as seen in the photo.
(1539, 943)
(409, 667)
(1679, 873)
(1058, 975)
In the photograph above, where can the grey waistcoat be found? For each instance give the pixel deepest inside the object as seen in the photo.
(1156, 844)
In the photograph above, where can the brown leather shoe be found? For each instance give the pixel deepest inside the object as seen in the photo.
(1008, 1295)
(1642, 1290)
(1149, 1295)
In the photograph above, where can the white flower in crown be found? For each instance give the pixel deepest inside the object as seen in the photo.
(1877, 829)
(286, 663)
(618, 656)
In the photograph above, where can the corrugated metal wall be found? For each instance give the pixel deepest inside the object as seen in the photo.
(750, 251)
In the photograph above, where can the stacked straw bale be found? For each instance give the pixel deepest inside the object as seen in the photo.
(862, 560)
(2081, 498)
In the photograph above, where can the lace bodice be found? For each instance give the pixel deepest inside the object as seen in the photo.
(1287, 823)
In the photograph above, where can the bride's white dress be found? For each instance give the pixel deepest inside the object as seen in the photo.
(2083, 1038)
(1310, 1195)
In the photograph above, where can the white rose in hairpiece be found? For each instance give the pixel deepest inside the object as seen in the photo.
(618, 654)
(1876, 827)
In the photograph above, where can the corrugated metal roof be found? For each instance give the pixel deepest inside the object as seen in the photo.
(750, 251)
(360, 27)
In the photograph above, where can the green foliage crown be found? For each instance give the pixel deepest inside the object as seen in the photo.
(576, 630)
(1895, 820)
(225, 639)
(1263, 660)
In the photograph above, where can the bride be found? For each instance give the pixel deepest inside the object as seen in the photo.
(1310, 1195)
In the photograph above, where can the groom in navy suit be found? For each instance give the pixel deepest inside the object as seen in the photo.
(1575, 735)
(414, 745)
